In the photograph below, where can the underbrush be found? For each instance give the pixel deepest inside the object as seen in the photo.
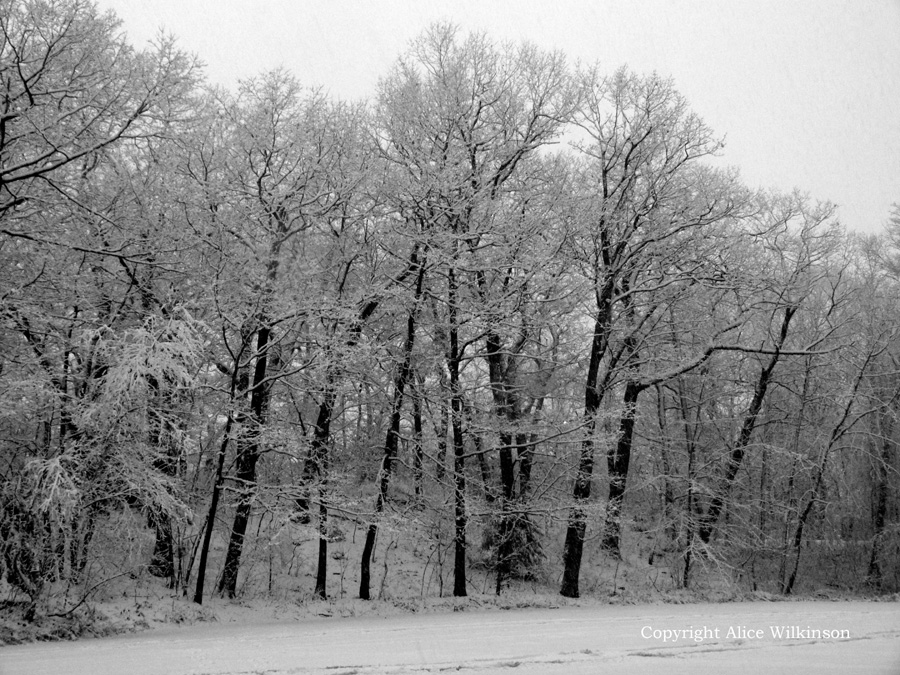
(412, 567)
(128, 605)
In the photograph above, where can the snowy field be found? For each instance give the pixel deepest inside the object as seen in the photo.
(826, 637)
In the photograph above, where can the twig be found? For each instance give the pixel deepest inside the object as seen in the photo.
(88, 593)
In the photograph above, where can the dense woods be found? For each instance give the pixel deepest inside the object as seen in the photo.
(507, 308)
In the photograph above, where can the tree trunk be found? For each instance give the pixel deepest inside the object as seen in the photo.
(574, 546)
(526, 444)
(246, 475)
(668, 495)
(690, 447)
(454, 358)
(418, 455)
(391, 443)
(162, 562)
(802, 520)
(248, 456)
(317, 460)
(836, 433)
(318, 449)
(459, 500)
(617, 465)
(321, 589)
(213, 507)
(581, 493)
(440, 431)
(711, 517)
(504, 529)
(316, 466)
(487, 478)
(879, 516)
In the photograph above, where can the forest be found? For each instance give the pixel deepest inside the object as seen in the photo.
(510, 316)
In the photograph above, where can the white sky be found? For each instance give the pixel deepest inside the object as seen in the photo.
(806, 92)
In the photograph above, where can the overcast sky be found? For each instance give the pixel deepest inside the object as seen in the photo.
(806, 93)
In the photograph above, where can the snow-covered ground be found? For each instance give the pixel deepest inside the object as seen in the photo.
(697, 639)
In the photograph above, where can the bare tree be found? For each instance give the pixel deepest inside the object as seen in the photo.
(647, 208)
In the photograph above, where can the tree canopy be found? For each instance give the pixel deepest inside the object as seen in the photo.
(505, 308)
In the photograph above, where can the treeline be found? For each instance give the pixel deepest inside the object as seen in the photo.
(509, 294)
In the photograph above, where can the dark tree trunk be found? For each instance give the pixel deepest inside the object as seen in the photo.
(504, 530)
(879, 516)
(711, 517)
(487, 479)
(440, 432)
(418, 455)
(484, 467)
(581, 492)
(459, 503)
(316, 466)
(508, 411)
(689, 502)
(802, 521)
(668, 495)
(391, 443)
(525, 444)
(577, 526)
(248, 456)
(457, 404)
(317, 460)
(213, 507)
(246, 475)
(321, 590)
(364, 573)
(318, 449)
(836, 433)
(162, 562)
(617, 463)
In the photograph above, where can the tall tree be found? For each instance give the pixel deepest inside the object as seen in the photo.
(647, 225)
(799, 243)
(459, 118)
(80, 111)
